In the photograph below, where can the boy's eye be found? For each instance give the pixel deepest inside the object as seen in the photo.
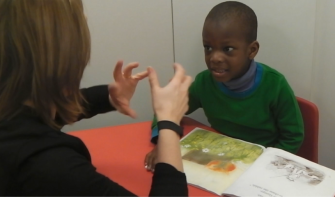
(228, 49)
(208, 48)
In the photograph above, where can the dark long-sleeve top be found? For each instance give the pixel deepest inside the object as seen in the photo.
(36, 159)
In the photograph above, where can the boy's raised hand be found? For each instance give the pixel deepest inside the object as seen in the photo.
(122, 90)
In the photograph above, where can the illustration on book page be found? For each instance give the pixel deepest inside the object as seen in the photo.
(295, 172)
(214, 161)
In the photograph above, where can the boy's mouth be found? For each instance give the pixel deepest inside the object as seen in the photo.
(219, 72)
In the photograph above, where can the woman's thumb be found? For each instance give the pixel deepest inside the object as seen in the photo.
(153, 80)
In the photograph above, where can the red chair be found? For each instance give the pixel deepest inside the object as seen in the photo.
(310, 115)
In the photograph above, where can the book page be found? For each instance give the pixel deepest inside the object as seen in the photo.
(277, 173)
(213, 161)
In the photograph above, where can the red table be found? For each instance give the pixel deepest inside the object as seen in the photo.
(118, 152)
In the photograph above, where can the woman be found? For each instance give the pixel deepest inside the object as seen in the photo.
(44, 48)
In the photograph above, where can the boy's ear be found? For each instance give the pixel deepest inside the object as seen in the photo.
(253, 49)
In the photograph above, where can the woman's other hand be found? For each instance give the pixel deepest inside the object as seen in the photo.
(122, 90)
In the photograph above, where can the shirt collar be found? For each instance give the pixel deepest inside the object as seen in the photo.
(245, 82)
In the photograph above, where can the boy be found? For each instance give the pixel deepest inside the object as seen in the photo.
(240, 97)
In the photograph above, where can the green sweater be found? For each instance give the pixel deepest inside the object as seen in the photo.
(266, 114)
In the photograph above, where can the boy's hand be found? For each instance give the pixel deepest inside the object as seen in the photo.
(150, 159)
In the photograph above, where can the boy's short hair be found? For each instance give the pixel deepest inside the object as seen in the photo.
(236, 10)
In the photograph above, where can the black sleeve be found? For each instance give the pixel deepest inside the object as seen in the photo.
(63, 172)
(97, 101)
(168, 181)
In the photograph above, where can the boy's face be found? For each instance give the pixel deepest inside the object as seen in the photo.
(227, 52)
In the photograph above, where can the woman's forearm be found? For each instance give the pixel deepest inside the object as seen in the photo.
(169, 149)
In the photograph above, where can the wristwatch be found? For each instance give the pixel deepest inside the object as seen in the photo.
(164, 124)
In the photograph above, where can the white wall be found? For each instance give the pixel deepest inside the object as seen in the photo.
(323, 79)
(133, 31)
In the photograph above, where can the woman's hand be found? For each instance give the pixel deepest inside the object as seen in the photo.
(122, 90)
(170, 102)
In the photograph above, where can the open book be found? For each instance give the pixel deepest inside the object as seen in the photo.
(231, 167)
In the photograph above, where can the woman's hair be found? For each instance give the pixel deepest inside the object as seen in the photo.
(44, 48)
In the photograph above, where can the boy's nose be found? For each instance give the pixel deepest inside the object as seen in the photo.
(217, 57)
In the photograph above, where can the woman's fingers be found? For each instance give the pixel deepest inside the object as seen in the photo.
(129, 68)
(153, 79)
(141, 75)
(117, 73)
